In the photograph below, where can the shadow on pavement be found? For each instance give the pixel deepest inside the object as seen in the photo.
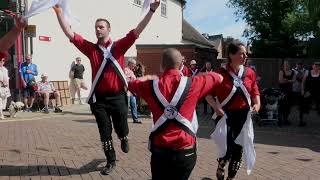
(50, 170)
(288, 136)
(86, 121)
(77, 113)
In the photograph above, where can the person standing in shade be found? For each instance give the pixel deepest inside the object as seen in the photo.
(205, 69)
(132, 98)
(108, 98)
(193, 68)
(28, 72)
(297, 96)
(286, 79)
(311, 86)
(77, 71)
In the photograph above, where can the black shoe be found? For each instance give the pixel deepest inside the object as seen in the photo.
(137, 121)
(57, 110)
(108, 169)
(125, 145)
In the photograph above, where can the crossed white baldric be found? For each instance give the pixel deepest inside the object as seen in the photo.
(170, 111)
(245, 138)
(107, 56)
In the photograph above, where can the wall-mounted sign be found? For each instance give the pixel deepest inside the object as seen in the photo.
(30, 31)
(45, 38)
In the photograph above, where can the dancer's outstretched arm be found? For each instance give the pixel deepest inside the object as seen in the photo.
(65, 26)
(9, 39)
(145, 21)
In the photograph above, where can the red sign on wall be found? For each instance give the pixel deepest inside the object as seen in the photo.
(44, 38)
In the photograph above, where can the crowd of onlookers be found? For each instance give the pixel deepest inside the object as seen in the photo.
(32, 89)
(301, 87)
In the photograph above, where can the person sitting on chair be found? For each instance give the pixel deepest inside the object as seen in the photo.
(47, 91)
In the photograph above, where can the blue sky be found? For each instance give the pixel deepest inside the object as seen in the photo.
(214, 17)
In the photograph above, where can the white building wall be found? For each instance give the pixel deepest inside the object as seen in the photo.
(55, 57)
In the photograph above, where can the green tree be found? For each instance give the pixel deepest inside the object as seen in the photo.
(313, 7)
(274, 26)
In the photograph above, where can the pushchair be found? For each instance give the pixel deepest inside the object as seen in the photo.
(270, 101)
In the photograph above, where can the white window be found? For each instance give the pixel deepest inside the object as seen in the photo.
(137, 2)
(164, 8)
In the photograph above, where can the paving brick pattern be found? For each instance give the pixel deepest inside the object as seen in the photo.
(66, 146)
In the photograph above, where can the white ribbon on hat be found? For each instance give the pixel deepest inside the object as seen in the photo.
(39, 6)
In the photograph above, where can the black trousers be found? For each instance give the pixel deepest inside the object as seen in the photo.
(285, 105)
(172, 164)
(300, 101)
(111, 109)
(235, 122)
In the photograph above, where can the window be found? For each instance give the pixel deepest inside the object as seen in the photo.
(164, 8)
(137, 2)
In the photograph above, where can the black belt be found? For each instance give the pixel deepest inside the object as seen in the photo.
(110, 94)
(169, 150)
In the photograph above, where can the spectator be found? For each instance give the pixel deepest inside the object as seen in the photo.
(298, 99)
(311, 85)
(139, 72)
(206, 69)
(286, 79)
(72, 88)
(47, 91)
(28, 71)
(132, 99)
(193, 68)
(184, 71)
(4, 84)
(77, 76)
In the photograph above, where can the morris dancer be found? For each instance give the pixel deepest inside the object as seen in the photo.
(9, 39)
(108, 97)
(172, 100)
(234, 131)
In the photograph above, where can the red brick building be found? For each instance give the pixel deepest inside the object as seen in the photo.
(194, 46)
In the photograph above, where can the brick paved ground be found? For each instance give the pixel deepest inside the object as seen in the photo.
(64, 146)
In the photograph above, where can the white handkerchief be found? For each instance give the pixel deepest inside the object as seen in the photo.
(146, 7)
(39, 6)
